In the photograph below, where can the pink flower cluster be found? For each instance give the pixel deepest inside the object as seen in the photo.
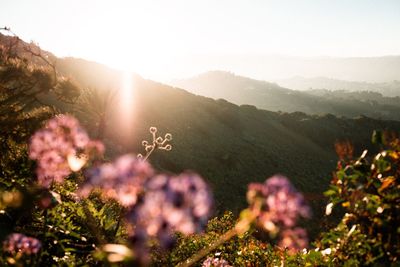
(59, 147)
(158, 205)
(121, 180)
(19, 243)
(182, 203)
(277, 201)
(277, 206)
(215, 262)
(293, 239)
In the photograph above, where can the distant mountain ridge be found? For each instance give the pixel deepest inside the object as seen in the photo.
(379, 69)
(390, 89)
(270, 96)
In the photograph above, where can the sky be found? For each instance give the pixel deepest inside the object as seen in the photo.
(164, 39)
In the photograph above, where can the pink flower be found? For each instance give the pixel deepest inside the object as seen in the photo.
(19, 243)
(276, 203)
(294, 239)
(57, 145)
(121, 180)
(182, 203)
(215, 262)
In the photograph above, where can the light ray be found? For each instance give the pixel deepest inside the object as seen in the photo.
(126, 105)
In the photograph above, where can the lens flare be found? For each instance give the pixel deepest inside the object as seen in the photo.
(126, 105)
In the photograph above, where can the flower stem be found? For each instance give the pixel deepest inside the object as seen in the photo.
(205, 251)
(242, 226)
(149, 153)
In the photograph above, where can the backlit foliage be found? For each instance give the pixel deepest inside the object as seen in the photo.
(368, 189)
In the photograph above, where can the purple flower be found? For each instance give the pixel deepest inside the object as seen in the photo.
(182, 203)
(276, 203)
(157, 205)
(294, 239)
(60, 148)
(121, 180)
(19, 243)
(215, 262)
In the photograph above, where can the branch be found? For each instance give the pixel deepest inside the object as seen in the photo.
(205, 251)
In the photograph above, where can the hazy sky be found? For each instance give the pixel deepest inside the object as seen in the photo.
(155, 38)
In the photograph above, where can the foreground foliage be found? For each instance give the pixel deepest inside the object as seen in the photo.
(368, 189)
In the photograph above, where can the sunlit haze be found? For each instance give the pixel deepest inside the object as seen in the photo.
(162, 40)
(126, 104)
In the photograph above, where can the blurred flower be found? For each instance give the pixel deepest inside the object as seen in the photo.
(276, 203)
(19, 243)
(293, 239)
(121, 180)
(215, 262)
(59, 148)
(182, 203)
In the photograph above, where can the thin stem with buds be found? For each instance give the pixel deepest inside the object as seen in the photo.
(157, 143)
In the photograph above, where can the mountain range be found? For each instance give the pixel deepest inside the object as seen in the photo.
(271, 96)
(388, 89)
(381, 69)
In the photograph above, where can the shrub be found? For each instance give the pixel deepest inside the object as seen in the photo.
(368, 189)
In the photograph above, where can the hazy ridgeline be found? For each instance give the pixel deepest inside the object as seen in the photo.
(320, 98)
